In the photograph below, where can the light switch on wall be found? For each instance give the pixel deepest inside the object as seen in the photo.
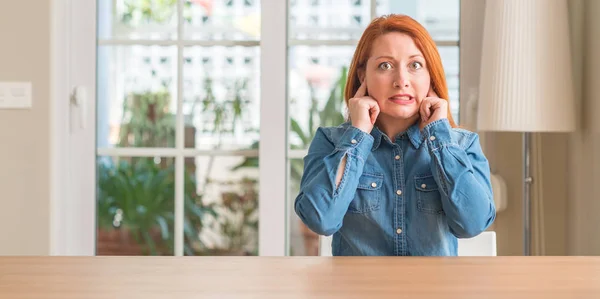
(15, 95)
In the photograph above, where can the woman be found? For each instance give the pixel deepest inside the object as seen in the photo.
(399, 177)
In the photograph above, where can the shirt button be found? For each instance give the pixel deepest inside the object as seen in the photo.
(399, 192)
(353, 141)
(397, 157)
(423, 186)
(373, 185)
(432, 138)
(398, 231)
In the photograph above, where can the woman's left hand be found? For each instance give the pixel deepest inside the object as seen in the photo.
(432, 108)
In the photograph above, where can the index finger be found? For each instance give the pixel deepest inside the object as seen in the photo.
(362, 90)
(432, 93)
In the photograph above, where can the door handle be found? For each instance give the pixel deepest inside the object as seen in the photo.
(79, 98)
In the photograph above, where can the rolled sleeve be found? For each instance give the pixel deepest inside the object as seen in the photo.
(356, 142)
(438, 134)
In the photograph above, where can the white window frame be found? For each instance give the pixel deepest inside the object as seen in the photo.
(73, 151)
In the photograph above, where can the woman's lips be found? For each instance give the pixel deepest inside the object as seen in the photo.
(402, 100)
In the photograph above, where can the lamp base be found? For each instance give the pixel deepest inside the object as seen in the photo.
(527, 181)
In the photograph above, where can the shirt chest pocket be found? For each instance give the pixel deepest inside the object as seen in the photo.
(368, 193)
(428, 195)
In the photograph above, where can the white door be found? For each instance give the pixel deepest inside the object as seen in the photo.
(173, 100)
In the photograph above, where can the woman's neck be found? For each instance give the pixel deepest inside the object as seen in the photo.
(394, 126)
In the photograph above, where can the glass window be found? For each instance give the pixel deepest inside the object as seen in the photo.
(328, 19)
(222, 20)
(178, 127)
(440, 17)
(137, 20)
(221, 97)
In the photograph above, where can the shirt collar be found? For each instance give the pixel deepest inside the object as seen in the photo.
(413, 132)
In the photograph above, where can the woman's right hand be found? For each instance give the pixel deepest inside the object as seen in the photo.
(363, 109)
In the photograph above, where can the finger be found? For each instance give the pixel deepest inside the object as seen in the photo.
(374, 111)
(428, 110)
(432, 93)
(438, 104)
(434, 102)
(425, 109)
(362, 90)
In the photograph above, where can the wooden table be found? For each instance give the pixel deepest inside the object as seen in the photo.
(299, 277)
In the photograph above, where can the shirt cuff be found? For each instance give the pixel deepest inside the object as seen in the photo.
(355, 139)
(437, 134)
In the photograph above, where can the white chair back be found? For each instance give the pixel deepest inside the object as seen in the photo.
(483, 244)
(325, 245)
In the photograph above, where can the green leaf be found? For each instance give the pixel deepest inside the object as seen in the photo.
(249, 162)
(298, 130)
(164, 227)
(149, 242)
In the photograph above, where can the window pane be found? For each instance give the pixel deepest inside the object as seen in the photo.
(222, 20)
(328, 19)
(316, 82)
(221, 97)
(137, 19)
(136, 96)
(440, 17)
(221, 201)
(135, 206)
(303, 241)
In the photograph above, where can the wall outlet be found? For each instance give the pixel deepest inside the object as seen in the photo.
(15, 95)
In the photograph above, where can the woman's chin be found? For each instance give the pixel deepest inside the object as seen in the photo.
(402, 114)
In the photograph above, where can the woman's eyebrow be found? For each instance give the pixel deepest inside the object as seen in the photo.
(392, 58)
(385, 56)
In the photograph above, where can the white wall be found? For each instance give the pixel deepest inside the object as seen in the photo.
(24, 134)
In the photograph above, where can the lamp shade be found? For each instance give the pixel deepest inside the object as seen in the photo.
(526, 77)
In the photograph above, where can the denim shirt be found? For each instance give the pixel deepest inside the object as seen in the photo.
(414, 196)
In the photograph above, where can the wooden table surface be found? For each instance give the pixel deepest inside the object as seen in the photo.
(299, 277)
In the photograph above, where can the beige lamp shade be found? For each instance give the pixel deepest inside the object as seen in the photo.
(526, 76)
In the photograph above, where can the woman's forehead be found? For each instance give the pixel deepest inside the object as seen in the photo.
(394, 44)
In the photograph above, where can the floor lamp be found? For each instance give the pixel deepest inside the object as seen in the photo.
(525, 80)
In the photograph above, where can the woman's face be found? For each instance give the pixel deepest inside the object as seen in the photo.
(397, 76)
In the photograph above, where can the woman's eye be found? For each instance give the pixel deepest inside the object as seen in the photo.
(416, 65)
(385, 66)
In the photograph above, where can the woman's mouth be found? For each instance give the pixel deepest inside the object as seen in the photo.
(402, 99)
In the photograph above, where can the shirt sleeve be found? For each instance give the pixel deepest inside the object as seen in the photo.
(320, 204)
(463, 176)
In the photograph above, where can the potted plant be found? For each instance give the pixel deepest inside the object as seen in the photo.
(136, 209)
(238, 218)
(136, 195)
(135, 200)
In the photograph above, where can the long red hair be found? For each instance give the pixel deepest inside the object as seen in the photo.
(407, 25)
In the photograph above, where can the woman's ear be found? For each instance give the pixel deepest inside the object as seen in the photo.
(362, 81)
(361, 76)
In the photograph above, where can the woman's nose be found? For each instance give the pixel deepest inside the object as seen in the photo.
(402, 80)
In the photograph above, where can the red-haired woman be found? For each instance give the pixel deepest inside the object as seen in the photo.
(399, 177)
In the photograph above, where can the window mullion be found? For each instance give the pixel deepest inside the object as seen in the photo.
(273, 130)
(373, 9)
(179, 142)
